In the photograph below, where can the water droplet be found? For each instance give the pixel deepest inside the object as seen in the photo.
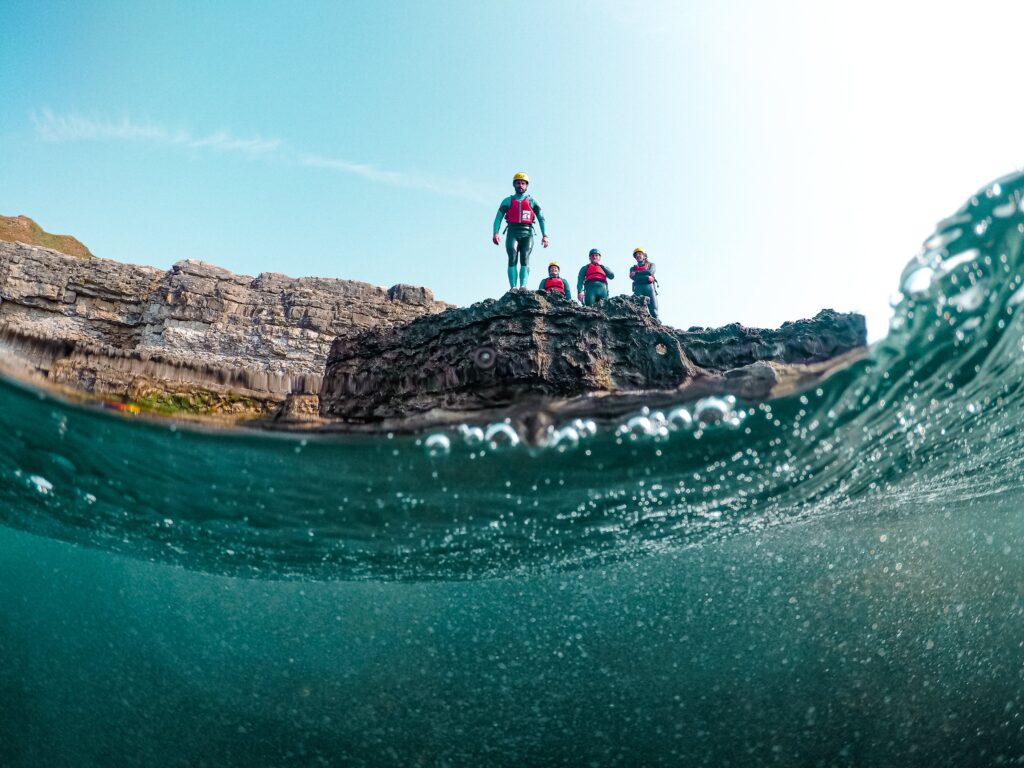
(970, 299)
(942, 239)
(918, 282)
(1017, 298)
(1005, 210)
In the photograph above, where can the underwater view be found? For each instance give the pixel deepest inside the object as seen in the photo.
(835, 578)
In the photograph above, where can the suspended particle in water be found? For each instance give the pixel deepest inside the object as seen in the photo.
(437, 445)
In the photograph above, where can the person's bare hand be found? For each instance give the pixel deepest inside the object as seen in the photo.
(495, 239)
(544, 241)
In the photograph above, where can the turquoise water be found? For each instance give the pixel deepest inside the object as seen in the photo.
(836, 579)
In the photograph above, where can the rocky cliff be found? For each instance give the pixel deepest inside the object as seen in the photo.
(531, 348)
(195, 331)
(316, 352)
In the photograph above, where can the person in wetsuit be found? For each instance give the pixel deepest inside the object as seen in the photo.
(554, 282)
(592, 281)
(519, 211)
(642, 275)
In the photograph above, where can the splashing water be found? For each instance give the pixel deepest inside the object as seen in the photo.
(831, 578)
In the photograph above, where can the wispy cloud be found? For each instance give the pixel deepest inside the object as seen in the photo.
(73, 128)
(61, 128)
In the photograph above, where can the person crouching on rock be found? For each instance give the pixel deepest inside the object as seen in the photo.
(554, 282)
(592, 282)
(642, 275)
(519, 211)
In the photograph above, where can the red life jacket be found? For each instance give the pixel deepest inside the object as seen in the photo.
(595, 272)
(640, 271)
(554, 284)
(520, 211)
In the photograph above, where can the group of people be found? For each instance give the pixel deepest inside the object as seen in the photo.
(520, 212)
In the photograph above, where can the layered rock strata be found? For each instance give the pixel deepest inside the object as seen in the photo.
(118, 330)
(529, 350)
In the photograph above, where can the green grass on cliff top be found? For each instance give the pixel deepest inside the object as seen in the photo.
(22, 229)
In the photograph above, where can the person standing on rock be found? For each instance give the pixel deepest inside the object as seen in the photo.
(592, 282)
(554, 282)
(642, 275)
(519, 211)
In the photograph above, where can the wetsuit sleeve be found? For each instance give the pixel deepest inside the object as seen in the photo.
(650, 267)
(502, 209)
(565, 284)
(540, 216)
(541, 286)
(608, 273)
(632, 273)
(581, 278)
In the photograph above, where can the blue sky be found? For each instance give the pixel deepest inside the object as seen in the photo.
(773, 158)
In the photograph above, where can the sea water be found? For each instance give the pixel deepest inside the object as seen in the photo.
(834, 578)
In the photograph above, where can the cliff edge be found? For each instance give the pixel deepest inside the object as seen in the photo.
(534, 350)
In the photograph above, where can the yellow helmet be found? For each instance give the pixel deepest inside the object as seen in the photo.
(555, 264)
(521, 177)
(638, 249)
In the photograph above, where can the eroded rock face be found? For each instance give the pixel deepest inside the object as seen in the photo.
(535, 347)
(195, 324)
(826, 335)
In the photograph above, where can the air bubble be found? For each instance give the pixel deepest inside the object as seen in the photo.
(501, 436)
(711, 410)
(41, 484)
(585, 427)
(437, 445)
(471, 435)
(638, 427)
(680, 418)
(565, 438)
